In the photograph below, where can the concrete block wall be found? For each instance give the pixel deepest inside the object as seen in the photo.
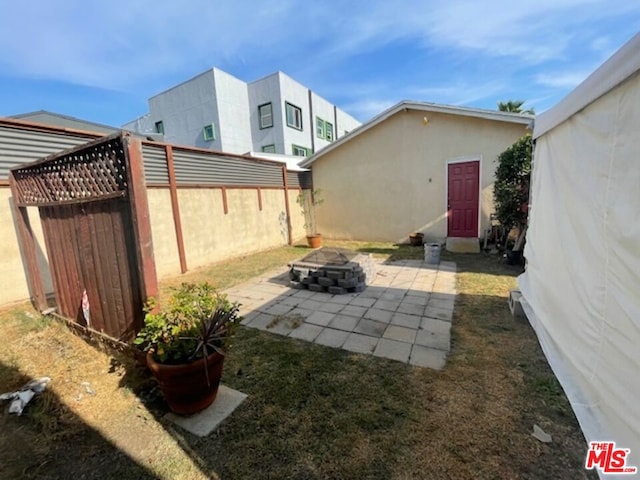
(211, 235)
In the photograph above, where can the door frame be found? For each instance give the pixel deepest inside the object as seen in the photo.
(464, 159)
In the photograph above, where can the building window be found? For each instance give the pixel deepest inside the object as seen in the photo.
(328, 130)
(319, 127)
(160, 127)
(209, 132)
(294, 116)
(324, 129)
(266, 115)
(269, 148)
(300, 151)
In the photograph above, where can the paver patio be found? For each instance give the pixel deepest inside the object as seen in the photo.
(404, 313)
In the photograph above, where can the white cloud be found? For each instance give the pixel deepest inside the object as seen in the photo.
(565, 80)
(368, 108)
(120, 44)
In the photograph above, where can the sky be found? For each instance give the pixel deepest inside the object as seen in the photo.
(101, 61)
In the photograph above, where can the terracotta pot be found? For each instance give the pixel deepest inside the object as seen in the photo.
(416, 239)
(184, 386)
(314, 241)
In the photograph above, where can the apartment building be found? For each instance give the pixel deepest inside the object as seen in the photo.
(218, 111)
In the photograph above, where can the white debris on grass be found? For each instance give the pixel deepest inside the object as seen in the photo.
(540, 434)
(22, 397)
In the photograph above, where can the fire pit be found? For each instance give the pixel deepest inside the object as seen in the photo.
(332, 270)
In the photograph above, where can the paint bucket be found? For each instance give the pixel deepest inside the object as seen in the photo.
(432, 253)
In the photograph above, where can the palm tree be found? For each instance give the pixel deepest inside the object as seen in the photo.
(514, 106)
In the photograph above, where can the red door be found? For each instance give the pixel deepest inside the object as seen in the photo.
(463, 192)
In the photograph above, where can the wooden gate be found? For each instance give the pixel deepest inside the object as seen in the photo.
(94, 213)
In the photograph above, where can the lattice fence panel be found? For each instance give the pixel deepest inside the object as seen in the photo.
(92, 173)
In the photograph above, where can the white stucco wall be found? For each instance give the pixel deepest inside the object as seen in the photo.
(233, 128)
(266, 90)
(391, 180)
(141, 124)
(185, 109)
(298, 95)
(346, 123)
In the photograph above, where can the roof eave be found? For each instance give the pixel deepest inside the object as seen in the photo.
(522, 119)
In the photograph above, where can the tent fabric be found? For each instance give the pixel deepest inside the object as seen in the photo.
(582, 282)
(624, 63)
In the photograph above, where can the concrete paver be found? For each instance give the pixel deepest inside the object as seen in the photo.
(390, 305)
(434, 325)
(405, 320)
(307, 332)
(428, 357)
(416, 300)
(363, 302)
(402, 334)
(440, 313)
(206, 421)
(356, 342)
(404, 314)
(378, 315)
(279, 309)
(393, 349)
(370, 327)
(410, 308)
(330, 307)
(439, 341)
(331, 338)
(353, 310)
(344, 322)
(261, 321)
(320, 318)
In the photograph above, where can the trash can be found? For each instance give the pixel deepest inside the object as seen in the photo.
(432, 253)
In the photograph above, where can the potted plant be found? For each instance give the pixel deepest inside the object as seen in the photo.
(186, 344)
(416, 239)
(308, 202)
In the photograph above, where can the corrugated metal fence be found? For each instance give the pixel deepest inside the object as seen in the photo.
(21, 143)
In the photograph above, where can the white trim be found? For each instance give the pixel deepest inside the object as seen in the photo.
(464, 159)
(496, 115)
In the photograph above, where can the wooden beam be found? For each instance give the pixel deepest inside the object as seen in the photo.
(175, 207)
(140, 216)
(29, 249)
(225, 205)
(286, 203)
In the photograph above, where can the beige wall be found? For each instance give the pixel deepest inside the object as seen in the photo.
(391, 180)
(209, 234)
(13, 280)
(163, 232)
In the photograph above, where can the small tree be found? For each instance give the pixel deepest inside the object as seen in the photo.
(511, 188)
(308, 202)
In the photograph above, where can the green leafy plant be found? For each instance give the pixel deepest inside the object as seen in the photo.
(308, 202)
(197, 321)
(511, 188)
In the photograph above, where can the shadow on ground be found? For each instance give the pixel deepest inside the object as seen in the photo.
(50, 442)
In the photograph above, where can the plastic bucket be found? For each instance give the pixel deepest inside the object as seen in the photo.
(432, 253)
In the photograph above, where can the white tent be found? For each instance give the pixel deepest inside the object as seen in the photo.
(582, 283)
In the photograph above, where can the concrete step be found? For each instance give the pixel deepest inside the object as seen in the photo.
(463, 245)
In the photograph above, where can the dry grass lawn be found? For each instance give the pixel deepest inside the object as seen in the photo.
(312, 412)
